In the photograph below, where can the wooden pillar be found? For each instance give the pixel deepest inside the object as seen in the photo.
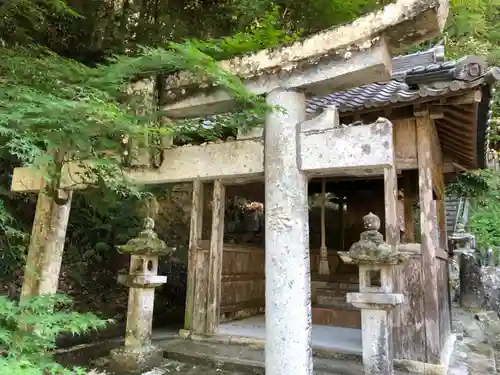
(391, 208)
(392, 233)
(439, 189)
(441, 221)
(409, 197)
(195, 316)
(424, 126)
(215, 257)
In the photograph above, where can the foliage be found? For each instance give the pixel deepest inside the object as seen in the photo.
(98, 228)
(483, 191)
(470, 185)
(21, 19)
(54, 110)
(474, 29)
(262, 32)
(13, 242)
(91, 30)
(28, 332)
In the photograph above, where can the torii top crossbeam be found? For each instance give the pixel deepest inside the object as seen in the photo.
(338, 58)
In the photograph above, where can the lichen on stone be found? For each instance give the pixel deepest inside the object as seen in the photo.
(371, 247)
(146, 243)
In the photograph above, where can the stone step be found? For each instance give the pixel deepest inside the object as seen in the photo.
(348, 317)
(342, 286)
(351, 287)
(246, 359)
(346, 273)
(330, 291)
(332, 300)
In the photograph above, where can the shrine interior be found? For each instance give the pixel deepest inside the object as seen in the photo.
(243, 263)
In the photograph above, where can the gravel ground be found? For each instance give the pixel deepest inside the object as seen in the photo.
(168, 367)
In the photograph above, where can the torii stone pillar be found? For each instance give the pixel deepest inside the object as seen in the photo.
(45, 252)
(376, 298)
(288, 282)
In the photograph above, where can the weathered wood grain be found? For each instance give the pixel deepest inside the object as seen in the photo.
(427, 218)
(409, 326)
(242, 281)
(409, 199)
(444, 302)
(201, 289)
(195, 233)
(215, 257)
(405, 140)
(391, 212)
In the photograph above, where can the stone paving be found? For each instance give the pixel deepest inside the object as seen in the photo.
(475, 353)
(172, 367)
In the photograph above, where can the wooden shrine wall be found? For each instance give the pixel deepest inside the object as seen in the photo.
(409, 318)
(243, 281)
(405, 143)
(443, 286)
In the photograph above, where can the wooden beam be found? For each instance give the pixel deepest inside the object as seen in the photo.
(472, 97)
(436, 112)
(436, 165)
(195, 316)
(215, 257)
(404, 110)
(429, 266)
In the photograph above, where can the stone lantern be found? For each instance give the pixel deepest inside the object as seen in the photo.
(139, 354)
(462, 244)
(462, 241)
(466, 281)
(376, 298)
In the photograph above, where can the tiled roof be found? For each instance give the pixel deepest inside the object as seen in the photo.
(403, 63)
(425, 77)
(438, 78)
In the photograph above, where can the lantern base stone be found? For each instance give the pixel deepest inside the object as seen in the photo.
(135, 360)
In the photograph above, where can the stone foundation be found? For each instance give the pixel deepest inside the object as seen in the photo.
(422, 368)
(133, 360)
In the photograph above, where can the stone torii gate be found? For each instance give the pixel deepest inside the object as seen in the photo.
(291, 151)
